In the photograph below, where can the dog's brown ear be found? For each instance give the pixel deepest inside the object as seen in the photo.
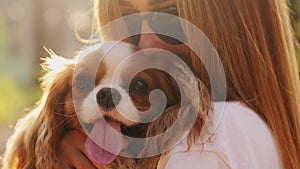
(36, 136)
(57, 82)
(56, 85)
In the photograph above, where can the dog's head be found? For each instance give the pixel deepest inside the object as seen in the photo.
(114, 93)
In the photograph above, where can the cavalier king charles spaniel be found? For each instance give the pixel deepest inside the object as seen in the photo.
(110, 97)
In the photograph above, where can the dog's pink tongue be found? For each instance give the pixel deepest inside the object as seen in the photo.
(104, 136)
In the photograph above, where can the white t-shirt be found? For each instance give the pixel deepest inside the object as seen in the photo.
(242, 140)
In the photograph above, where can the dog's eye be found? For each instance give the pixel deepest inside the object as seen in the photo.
(83, 83)
(139, 87)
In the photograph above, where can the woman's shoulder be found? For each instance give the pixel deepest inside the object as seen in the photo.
(235, 119)
(241, 139)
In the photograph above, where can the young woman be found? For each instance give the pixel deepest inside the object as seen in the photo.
(254, 41)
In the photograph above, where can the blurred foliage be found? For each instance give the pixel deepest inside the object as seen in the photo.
(15, 95)
(12, 100)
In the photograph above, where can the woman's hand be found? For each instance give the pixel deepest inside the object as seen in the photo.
(72, 153)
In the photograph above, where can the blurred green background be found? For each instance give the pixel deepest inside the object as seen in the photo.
(28, 25)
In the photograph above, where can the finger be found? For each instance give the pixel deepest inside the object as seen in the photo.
(72, 154)
(80, 142)
(80, 161)
(74, 138)
(77, 139)
(61, 165)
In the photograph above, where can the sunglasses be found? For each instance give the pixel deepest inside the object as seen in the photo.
(164, 22)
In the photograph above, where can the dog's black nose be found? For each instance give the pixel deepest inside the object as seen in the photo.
(108, 98)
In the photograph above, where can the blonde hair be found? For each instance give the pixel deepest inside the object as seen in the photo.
(254, 40)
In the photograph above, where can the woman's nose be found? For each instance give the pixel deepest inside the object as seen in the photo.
(149, 38)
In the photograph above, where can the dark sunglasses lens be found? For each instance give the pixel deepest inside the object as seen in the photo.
(168, 28)
(169, 40)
